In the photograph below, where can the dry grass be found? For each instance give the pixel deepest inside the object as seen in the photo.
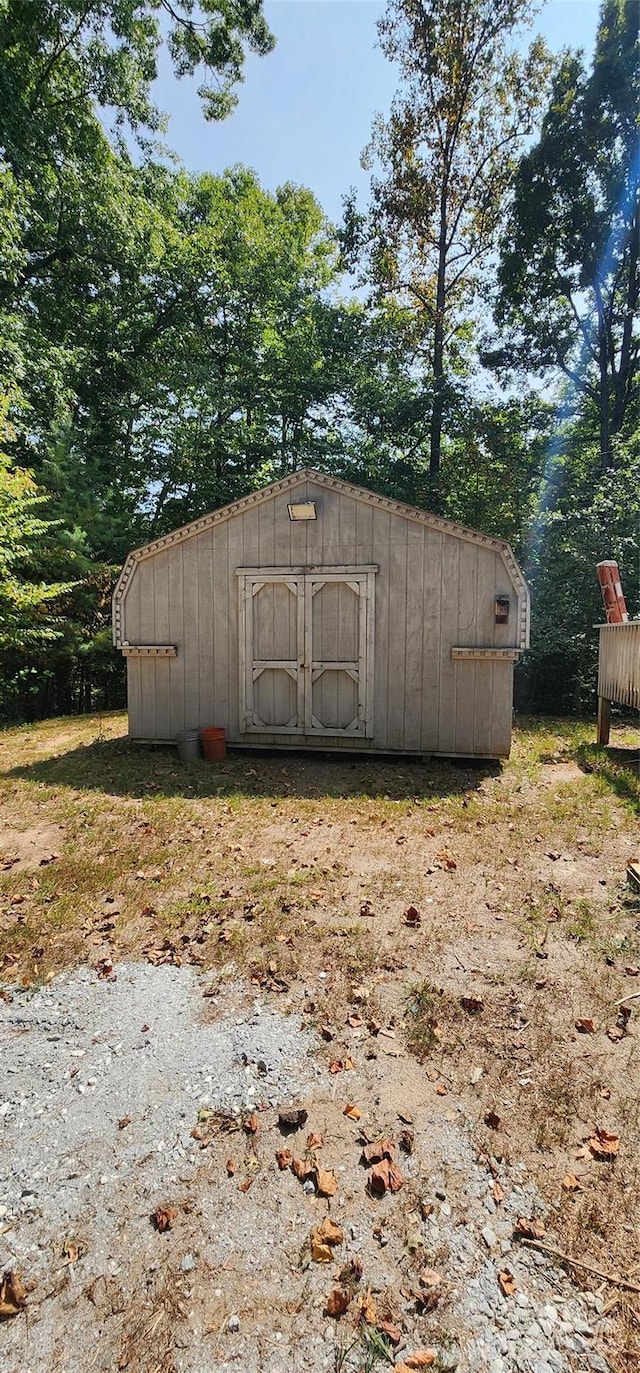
(262, 866)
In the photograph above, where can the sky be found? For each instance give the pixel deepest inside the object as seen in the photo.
(305, 111)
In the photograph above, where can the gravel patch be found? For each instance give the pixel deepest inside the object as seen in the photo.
(229, 1285)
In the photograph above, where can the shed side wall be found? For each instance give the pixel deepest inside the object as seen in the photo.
(434, 592)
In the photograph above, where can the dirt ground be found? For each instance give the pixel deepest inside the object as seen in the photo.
(463, 947)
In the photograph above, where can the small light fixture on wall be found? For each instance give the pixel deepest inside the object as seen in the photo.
(306, 510)
(502, 610)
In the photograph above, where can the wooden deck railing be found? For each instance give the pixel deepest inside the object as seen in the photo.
(618, 671)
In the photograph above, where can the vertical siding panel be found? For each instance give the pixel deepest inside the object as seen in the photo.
(266, 534)
(205, 712)
(163, 665)
(415, 615)
(147, 635)
(314, 555)
(501, 709)
(449, 591)
(489, 566)
(347, 511)
(483, 707)
(146, 593)
(134, 698)
(251, 536)
(381, 536)
(299, 528)
(397, 633)
(431, 629)
(221, 579)
(236, 557)
(331, 528)
(365, 551)
(467, 637)
(176, 636)
(191, 632)
(504, 635)
(281, 531)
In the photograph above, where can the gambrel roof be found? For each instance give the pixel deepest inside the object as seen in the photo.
(344, 488)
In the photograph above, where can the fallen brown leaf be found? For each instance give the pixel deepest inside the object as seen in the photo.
(244, 1186)
(104, 968)
(13, 1295)
(427, 1277)
(492, 1120)
(529, 1229)
(328, 1234)
(507, 1282)
(302, 1168)
(251, 1124)
(585, 1027)
(392, 1332)
(379, 1149)
(163, 1218)
(293, 1119)
(326, 1182)
(603, 1144)
(385, 1177)
(338, 1301)
(352, 1111)
(412, 917)
(472, 1004)
(423, 1358)
(367, 1311)
(446, 860)
(314, 1142)
(284, 1158)
(571, 1183)
(231, 1167)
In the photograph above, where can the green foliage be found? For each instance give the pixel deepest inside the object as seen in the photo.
(467, 99)
(169, 341)
(587, 516)
(28, 615)
(569, 278)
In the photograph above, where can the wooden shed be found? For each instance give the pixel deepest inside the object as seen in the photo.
(315, 614)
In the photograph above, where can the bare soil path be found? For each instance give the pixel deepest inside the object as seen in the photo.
(188, 951)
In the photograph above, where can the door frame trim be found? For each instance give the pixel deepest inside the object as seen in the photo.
(365, 574)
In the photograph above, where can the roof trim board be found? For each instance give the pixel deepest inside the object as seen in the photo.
(360, 493)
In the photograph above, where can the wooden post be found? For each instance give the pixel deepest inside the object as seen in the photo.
(604, 720)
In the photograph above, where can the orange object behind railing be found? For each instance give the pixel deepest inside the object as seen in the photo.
(614, 603)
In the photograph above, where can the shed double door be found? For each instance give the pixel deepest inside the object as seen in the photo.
(306, 661)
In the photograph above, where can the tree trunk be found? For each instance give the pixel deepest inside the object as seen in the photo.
(603, 403)
(437, 409)
(603, 396)
(623, 379)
